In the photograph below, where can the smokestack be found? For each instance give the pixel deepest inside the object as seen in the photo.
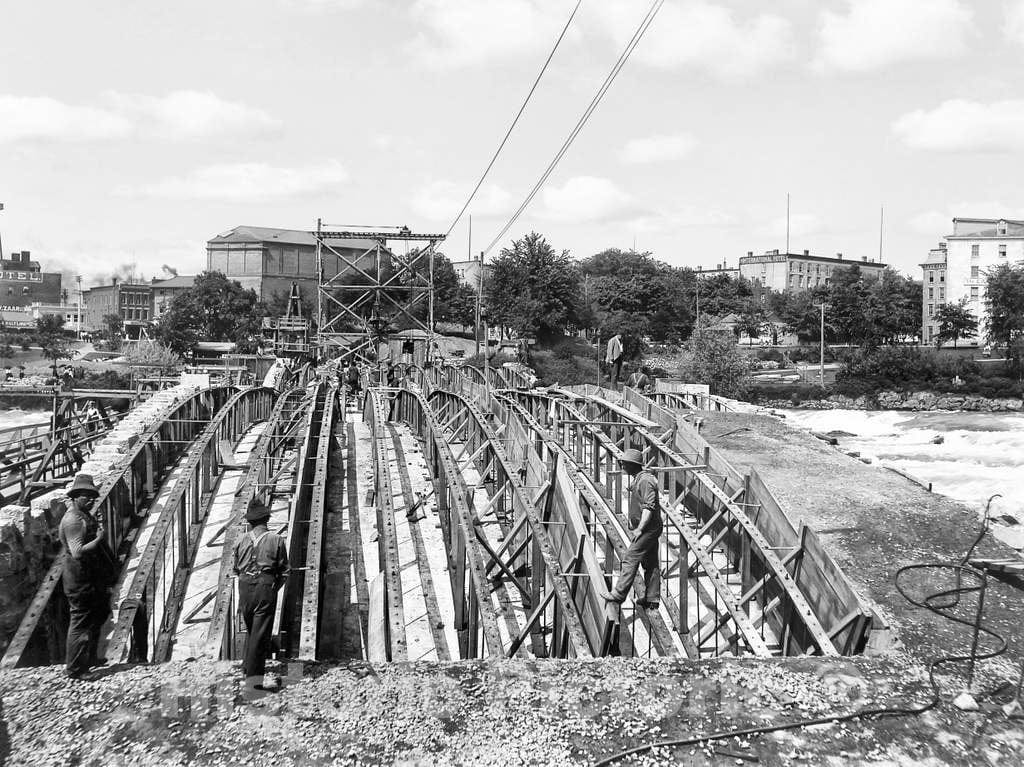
(113, 280)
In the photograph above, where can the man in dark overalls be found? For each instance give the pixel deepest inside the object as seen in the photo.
(645, 519)
(261, 564)
(87, 571)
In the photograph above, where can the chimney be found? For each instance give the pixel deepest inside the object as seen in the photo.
(750, 252)
(839, 256)
(113, 280)
(807, 252)
(24, 256)
(864, 259)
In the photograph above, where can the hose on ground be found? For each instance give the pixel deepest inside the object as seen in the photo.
(940, 603)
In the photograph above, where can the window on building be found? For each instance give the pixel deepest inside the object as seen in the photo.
(1002, 251)
(974, 250)
(975, 273)
(974, 294)
(931, 292)
(931, 333)
(942, 294)
(931, 276)
(942, 276)
(931, 309)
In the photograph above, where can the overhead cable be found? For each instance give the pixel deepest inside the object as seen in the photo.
(609, 79)
(519, 114)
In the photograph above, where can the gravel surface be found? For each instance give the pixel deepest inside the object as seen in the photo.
(491, 713)
(873, 522)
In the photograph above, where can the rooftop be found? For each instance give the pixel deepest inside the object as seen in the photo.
(285, 236)
(178, 281)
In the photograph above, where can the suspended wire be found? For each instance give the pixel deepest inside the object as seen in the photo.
(519, 114)
(609, 79)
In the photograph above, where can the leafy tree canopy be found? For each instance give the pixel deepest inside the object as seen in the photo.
(955, 322)
(533, 289)
(214, 309)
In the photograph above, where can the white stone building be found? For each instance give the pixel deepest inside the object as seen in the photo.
(956, 269)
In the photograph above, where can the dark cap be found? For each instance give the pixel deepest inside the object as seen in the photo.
(257, 513)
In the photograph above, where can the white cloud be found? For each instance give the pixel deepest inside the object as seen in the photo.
(939, 223)
(874, 34)
(1015, 21)
(178, 115)
(657, 148)
(701, 35)
(465, 32)
(964, 126)
(190, 115)
(245, 182)
(587, 199)
(42, 118)
(441, 200)
(800, 225)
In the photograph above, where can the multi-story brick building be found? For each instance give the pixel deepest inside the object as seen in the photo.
(164, 292)
(270, 260)
(23, 282)
(956, 269)
(794, 272)
(133, 302)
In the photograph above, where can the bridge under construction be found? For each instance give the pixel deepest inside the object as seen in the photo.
(461, 514)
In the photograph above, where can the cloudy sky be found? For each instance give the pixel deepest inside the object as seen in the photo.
(134, 132)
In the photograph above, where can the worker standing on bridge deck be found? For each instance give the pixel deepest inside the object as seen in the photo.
(88, 568)
(261, 564)
(613, 357)
(645, 519)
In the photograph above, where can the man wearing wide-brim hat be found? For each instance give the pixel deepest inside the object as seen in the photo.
(86, 576)
(261, 564)
(645, 520)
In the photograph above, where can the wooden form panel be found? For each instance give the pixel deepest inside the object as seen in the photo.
(41, 632)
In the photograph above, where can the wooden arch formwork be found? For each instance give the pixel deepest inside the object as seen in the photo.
(365, 292)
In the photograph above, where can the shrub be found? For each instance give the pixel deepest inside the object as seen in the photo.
(796, 393)
(567, 371)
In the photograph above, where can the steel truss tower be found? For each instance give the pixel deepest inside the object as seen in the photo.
(361, 298)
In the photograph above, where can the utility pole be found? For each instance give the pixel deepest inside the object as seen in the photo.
(78, 314)
(787, 222)
(1, 238)
(821, 360)
(881, 230)
(479, 303)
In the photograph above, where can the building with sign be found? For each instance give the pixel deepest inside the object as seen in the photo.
(23, 282)
(794, 272)
(955, 270)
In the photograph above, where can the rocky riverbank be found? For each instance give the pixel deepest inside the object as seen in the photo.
(894, 400)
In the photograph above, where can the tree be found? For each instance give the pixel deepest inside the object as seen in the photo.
(1004, 291)
(714, 359)
(113, 331)
(955, 322)
(752, 317)
(454, 301)
(657, 297)
(213, 309)
(50, 328)
(154, 356)
(532, 289)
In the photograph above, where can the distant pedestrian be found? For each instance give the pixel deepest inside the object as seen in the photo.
(261, 564)
(645, 520)
(613, 357)
(87, 575)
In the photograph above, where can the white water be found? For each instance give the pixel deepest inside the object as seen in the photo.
(17, 417)
(981, 453)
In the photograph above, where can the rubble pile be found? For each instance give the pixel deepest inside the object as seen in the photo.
(488, 713)
(28, 534)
